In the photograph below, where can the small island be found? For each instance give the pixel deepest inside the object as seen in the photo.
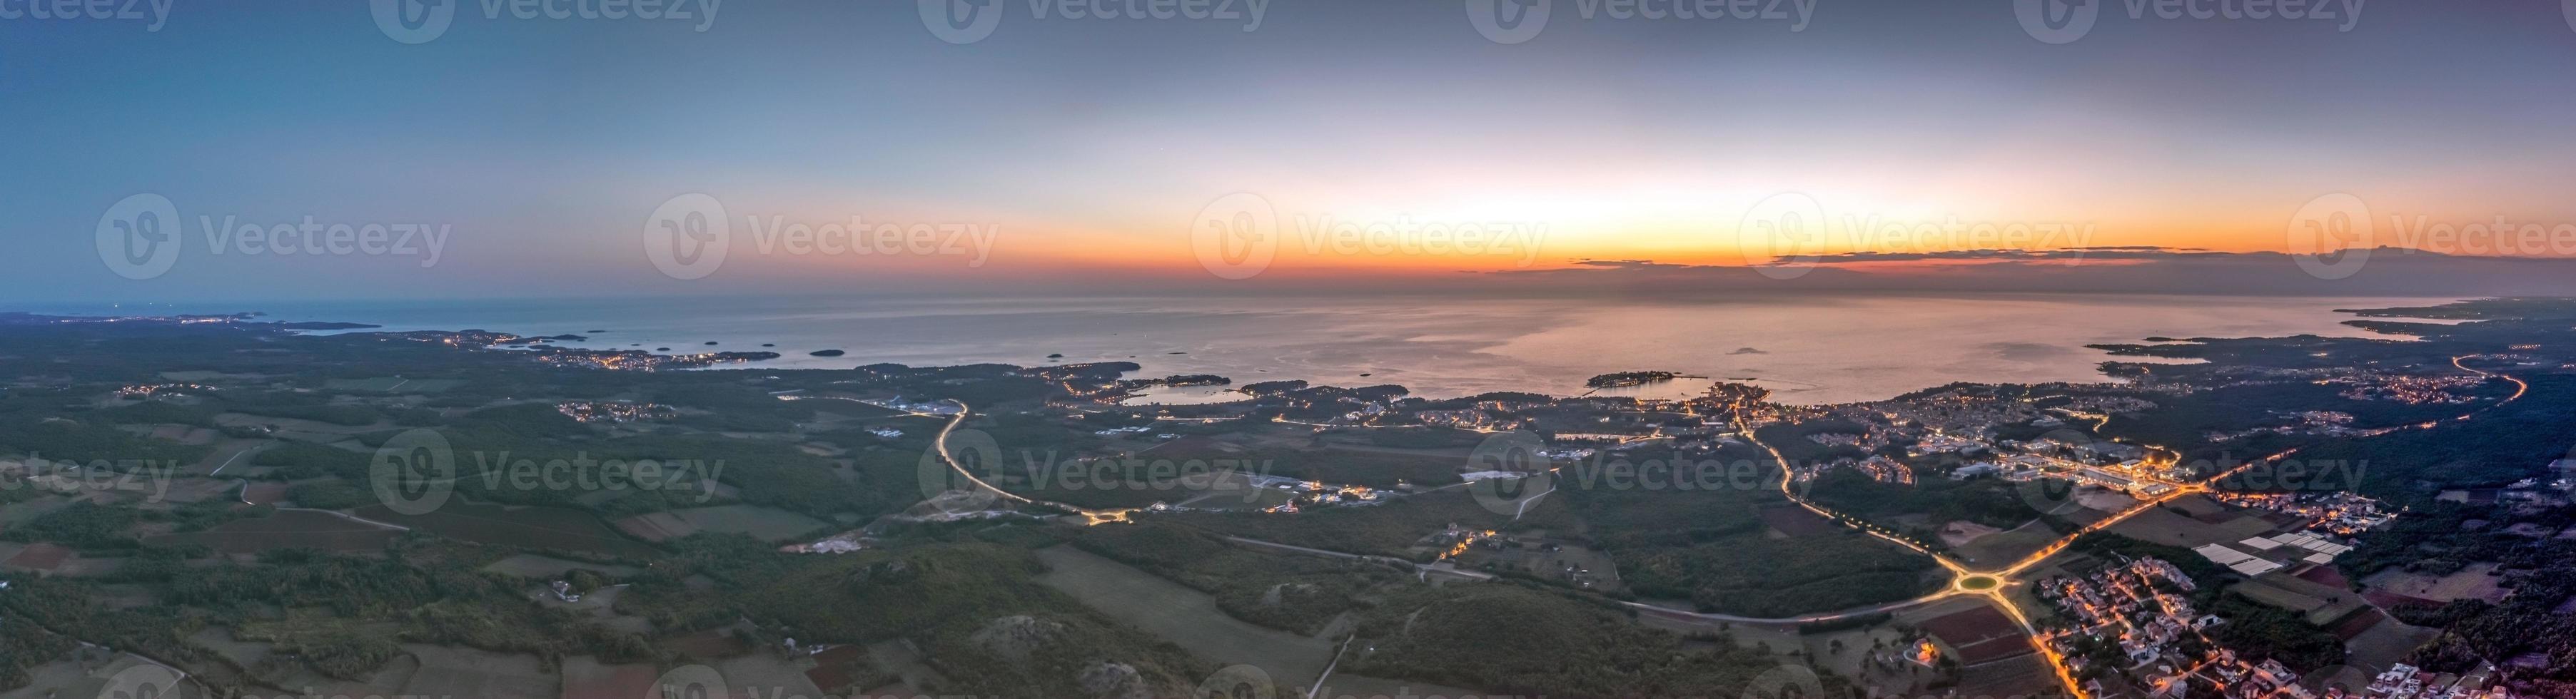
(1177, 380)
(827, 353)
(517, 340)
(1269, 388)
(324, 326)
(1626, 379)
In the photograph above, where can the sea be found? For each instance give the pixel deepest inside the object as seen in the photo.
(1806, 349)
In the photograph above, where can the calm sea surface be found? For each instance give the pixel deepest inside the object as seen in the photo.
(1807, 349)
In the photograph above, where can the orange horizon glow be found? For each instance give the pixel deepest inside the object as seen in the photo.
(1528, 218)
(1168, 252)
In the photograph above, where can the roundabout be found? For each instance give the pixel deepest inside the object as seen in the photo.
(1978, 583)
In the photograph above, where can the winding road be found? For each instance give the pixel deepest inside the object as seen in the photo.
(1994, 585)
(2001, 579)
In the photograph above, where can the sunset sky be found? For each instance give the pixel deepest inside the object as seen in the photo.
(1088, 150)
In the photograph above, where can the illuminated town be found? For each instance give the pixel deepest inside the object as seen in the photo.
(613, 411)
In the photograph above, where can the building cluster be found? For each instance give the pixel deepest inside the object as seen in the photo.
(562, 590)
(1478, 418)
(639, 360)
(1874, 439)
(1945, 443)
(1456, 540)
(2123, 604)
(1694, 426)
(2139, 609)
(2096, 406)
(2089, 451)
(2329, 423)
(150, 390)
(2122, 467)
(1968, 413)
(1313, 494)
(1965, 422)
(464, 338)
(845, 542)
(2409, 389)
(1567, 454)
(1962, 420)
(1576, 575)
(613, 411)
(899, 404)
(1492, 551)
(2339, 513)
(1302, 495)
(2225, 675)
(2403, 681)
(1878, 468)
(2142, 377)
(2528, 497)
(1367, 413)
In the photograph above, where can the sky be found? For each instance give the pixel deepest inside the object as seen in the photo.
(1327, 144)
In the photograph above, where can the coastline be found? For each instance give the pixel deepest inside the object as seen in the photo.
(1441, 352)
